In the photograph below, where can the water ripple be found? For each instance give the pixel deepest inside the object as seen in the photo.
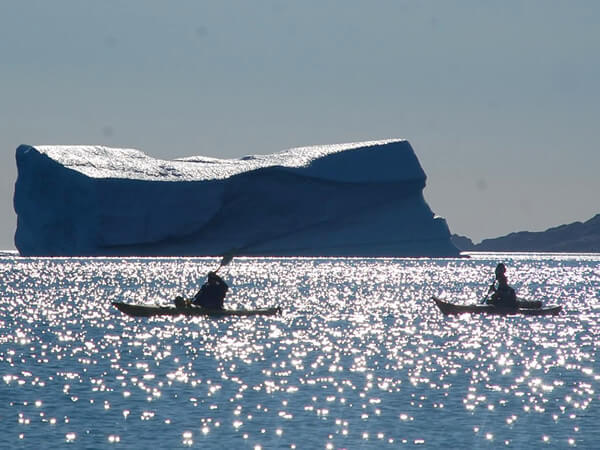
(360, 358)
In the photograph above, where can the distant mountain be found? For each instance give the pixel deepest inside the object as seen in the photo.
(576, 237)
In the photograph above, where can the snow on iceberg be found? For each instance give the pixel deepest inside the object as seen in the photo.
(359, 199)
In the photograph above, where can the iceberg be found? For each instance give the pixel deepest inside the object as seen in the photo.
(359, 199)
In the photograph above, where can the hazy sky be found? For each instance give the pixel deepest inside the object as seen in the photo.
(499, 99)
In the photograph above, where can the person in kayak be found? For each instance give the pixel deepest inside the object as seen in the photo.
(212, 293)
(503, 296)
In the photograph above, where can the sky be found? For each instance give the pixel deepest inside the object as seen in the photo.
(500, 100)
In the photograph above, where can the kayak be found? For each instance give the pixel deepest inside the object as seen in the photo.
(451, 308)
(150, 311)
(529, 303)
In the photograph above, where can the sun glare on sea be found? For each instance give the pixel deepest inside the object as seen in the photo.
(360, 357)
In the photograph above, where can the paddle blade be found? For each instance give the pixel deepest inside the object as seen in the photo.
(227, 257)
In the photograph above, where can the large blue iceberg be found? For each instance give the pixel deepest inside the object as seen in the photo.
(360, 199)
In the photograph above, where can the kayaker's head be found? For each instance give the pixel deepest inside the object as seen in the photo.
(212, 276)
(500, 270)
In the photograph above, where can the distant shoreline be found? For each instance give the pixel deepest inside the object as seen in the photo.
(576, 237)
(464, 255)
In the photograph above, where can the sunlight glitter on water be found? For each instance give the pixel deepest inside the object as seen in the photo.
(360, 357)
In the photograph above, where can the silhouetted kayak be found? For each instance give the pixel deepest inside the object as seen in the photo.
(451, 308)
(149, 311)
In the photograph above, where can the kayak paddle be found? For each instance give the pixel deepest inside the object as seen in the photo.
(488, 293)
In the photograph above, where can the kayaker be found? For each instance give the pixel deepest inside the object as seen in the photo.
(503, 295)
(212, 293)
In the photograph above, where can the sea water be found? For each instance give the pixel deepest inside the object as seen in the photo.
(360, 357)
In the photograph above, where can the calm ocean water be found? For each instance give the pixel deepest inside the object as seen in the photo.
(360, 358)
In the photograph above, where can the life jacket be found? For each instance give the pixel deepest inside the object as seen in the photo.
(505, 296)
(211, 295)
